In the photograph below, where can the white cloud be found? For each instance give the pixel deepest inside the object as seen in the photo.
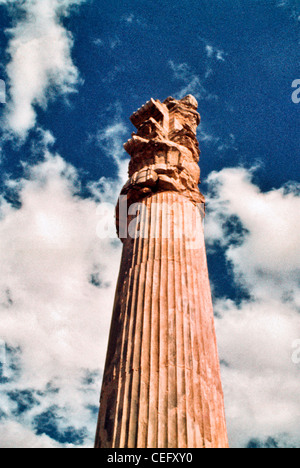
(14, 435)
(111, 43)
(207, 137)
(129, 18)
(111, 139)
(41, 65)
(193, 83)
(255, 338)
(2, 92)
(133, 19)
(273, 222)
(213, 52)
(291, 6)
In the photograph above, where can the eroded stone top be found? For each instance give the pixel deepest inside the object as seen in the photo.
(171, 122)
(164, 151)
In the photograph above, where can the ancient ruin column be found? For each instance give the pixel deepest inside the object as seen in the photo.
(162, 385)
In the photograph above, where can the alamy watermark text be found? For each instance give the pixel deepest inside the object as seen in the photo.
(2, 92)
(296, 93)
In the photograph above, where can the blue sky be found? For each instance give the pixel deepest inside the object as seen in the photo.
(75, 70)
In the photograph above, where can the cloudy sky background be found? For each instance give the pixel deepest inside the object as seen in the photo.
(75, 70)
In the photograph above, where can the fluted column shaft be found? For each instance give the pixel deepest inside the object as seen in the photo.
(162, 385)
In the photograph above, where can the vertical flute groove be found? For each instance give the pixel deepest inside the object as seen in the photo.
(163, 345)
(138, 339)
(172, 336)
(189, 369)
(145, 350)
(181, 383)
(194, 342)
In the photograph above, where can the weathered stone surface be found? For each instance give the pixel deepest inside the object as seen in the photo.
(162, 385)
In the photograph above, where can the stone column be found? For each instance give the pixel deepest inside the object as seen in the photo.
(162, 385)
